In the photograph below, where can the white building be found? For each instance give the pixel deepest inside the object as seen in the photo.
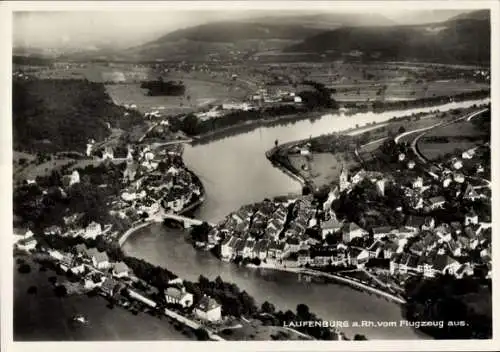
(178, 296)
(75, 178)
(208, 309)
(92, 230)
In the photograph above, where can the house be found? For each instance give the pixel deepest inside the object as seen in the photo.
(429, 223)
(464, 270)
(239, 247)
(454, 248)
(100, 260)
(417, 248)
(456, 227)
(430, 240)
(353, 254)
(457, 164)
(458, 177)
(468, 154)
(81, 250)
(27, 244)
(332, 195)
(92, 230)
(444, 264)
(447, 180)
(376, 249)
(404, 263)
(411, 164)
(351, 231)
(444, 232)
(436, 202)
(248, 248)
(330, 226)
(304, 257)
(470, 193)
(174, 295)
(208, 309)
(471, 218)
(389, 249)
(401, 157)
(52, 230)
(414, 222)
(358, 177)
(110, 287)
(381, 232)
(227, 247)
(418, 183)
(293, 244)
(108, 153)
(120, 270)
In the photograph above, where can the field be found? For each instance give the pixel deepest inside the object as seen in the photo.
(325, 168)
(404, 91)
(198, 94)
(456, 137)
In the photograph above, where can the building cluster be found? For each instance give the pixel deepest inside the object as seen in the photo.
(173, 189)
(269, 231)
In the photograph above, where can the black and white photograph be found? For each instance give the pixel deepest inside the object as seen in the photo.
(201, 171)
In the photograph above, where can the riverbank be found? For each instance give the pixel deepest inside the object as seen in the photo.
(347, 109)
(42, 316)
(342, 279)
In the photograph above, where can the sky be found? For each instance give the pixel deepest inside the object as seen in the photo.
(126, 28)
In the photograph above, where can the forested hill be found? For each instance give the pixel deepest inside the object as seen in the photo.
(62, 115)
(463, 39)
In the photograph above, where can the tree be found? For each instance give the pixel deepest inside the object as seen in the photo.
(359, 337)
(60, 291)
(24, 268)
(401, 130)
(303, 311)
(202, 334)
(267, 307)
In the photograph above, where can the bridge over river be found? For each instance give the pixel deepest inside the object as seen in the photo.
(187, 222)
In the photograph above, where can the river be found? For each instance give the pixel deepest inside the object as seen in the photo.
(234, 171)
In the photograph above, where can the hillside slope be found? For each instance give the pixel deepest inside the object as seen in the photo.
(462, 39)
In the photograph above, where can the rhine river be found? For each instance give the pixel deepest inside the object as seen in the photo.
(235, 171)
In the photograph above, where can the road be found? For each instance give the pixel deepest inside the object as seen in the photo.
(415, 141)
(422, 158)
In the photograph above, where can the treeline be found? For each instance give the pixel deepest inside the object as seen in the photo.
(192, 125)
(379, 106)
(61, 115)
(315, 100)
(464, 306)
(41, 210)
(159, 87)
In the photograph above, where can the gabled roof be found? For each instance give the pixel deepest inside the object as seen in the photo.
(382, 230)
(437, 200)
(442, 261)
(415, 221)
(121, 267)
(350, 227)
(207, 304)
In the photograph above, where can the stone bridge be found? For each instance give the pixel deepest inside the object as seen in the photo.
(187, 222)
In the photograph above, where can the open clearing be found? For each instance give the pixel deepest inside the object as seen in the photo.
(198, 94)
(452, 138)
(324, 169)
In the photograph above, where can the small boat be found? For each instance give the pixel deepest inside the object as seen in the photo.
(80, 319)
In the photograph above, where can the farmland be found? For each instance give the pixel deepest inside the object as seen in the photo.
(453, 138)
(199, 93)
(323, 168)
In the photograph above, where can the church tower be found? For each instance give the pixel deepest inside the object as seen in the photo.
(343, 179)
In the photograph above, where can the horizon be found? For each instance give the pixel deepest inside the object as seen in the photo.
(105, 29)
